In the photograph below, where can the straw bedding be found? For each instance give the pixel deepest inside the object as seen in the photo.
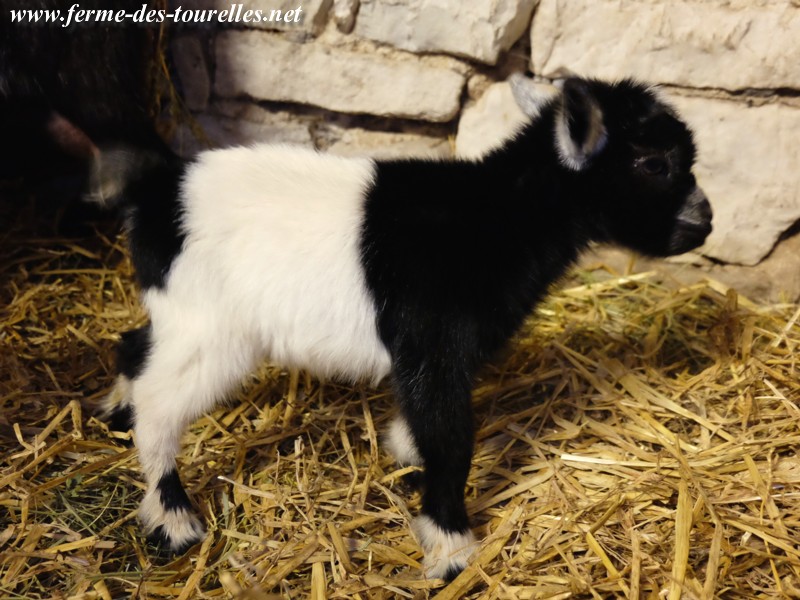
(637, 440)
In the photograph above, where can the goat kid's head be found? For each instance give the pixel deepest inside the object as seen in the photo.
(634, 157)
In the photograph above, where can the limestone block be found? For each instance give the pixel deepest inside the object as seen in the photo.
(478, 29)
(190, 64)
(775, 279)
(491, 120)
(384, 144)
(240, 123)
(265, 66)
(726, 44)
(747, 165)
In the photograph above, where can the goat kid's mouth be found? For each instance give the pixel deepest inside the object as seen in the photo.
(688, 235)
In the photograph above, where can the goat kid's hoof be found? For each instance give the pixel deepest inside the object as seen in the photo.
(169, 544)
(447, 553)
(174, 530)
(178, 534)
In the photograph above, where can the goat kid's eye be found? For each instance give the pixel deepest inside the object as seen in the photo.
(653, 165)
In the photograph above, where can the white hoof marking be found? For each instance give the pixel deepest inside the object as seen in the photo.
(446, 552)
(180, 527)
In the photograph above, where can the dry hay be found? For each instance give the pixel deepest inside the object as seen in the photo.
(637, 441)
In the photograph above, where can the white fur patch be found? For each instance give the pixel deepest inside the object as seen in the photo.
(181, 527)
(400, 443)
(272, 261)
(444, 551)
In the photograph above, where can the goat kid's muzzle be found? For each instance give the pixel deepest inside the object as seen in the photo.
(692, 223)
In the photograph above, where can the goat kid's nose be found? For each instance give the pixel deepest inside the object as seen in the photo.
(703, 205)
(696, 210)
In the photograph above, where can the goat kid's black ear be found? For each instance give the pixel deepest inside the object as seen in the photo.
(580, 132)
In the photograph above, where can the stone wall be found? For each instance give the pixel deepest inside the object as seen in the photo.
(429, 77)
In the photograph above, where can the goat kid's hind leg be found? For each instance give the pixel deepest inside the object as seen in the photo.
(436, 411)
(180, 382)
(132, 351)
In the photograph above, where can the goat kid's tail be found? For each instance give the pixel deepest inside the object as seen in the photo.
(116, 169)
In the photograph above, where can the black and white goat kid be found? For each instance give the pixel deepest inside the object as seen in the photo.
(361, 269)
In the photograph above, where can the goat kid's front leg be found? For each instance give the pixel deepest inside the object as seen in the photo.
(435, 427)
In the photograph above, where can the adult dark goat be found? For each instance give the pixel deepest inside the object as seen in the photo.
(358, 268)
(64, 90)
